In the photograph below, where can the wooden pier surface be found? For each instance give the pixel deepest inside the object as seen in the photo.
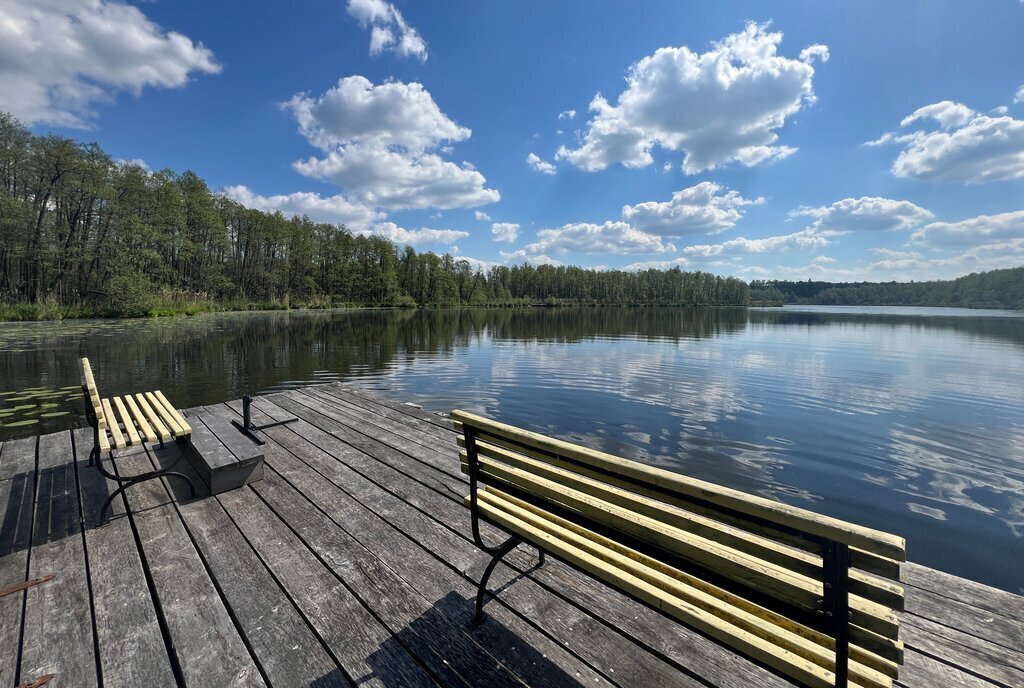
(350, 564)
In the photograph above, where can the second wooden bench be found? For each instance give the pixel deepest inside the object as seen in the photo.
(810, 596)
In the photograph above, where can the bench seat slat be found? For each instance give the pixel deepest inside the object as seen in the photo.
(126, 420)
(877, 542)
(115, 431)
(186, 429)
(770, 653)
(140, 419)
(776, 628)
(154, 420)
(800, 562)
(161, 412)
(780, 583)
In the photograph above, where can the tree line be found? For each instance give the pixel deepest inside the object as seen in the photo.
(993, 289)
(82, 234)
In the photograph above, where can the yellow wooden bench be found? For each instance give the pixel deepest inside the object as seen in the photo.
(128, 420)
(812, 597)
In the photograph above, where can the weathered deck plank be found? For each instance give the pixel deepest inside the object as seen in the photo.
(410, 416)
(58, 633)
(972, 654)
(358, 639)
(132, 651)
(205, 641)
(275, 631)
(446, 650)
(17, 500)
(364, 509)
(682, 646)
(360, 394)
(352, 564)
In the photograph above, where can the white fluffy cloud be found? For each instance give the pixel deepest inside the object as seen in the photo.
(809, 238)
(524, 256)
(703, 208)
(538, 165)
(904, 266)
(58, 58)
(335, 209)
(415, 237)
(359, 112)
(965, 146)
(133, 162)
(947, 113)
(972, 231)
(505, 231)
(477, 264)
(681, 262)
(359, 218)
(482, 216)
(720, 106)
(1018, 97)
(381, 144)
(571, 114)
(866, 214)
(395, 180)
(590, 238)
(389, 32)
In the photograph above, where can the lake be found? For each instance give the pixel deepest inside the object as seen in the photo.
(905, 419)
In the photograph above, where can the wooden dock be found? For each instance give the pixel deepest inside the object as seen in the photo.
(350, 564)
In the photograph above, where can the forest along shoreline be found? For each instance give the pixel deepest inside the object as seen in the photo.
(83, 235)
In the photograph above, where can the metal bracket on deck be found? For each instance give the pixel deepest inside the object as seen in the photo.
(247, 427)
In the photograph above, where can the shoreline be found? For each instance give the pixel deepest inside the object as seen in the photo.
(99, 314)
(8, 314)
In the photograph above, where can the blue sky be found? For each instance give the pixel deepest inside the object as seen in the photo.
(869, 140)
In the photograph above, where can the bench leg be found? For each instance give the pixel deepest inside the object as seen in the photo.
(499, 554)
(125, 483)
(141, 479)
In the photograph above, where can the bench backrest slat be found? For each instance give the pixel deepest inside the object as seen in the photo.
(860, 559)
(867, 539)
(89, 382)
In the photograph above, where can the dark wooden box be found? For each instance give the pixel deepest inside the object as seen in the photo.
(223, 457)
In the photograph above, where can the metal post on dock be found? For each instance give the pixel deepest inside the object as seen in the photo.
(248, 428)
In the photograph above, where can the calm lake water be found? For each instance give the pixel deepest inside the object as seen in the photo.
(909, 420)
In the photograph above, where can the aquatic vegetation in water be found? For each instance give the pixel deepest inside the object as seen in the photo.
(20, 423)
(26, 407)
